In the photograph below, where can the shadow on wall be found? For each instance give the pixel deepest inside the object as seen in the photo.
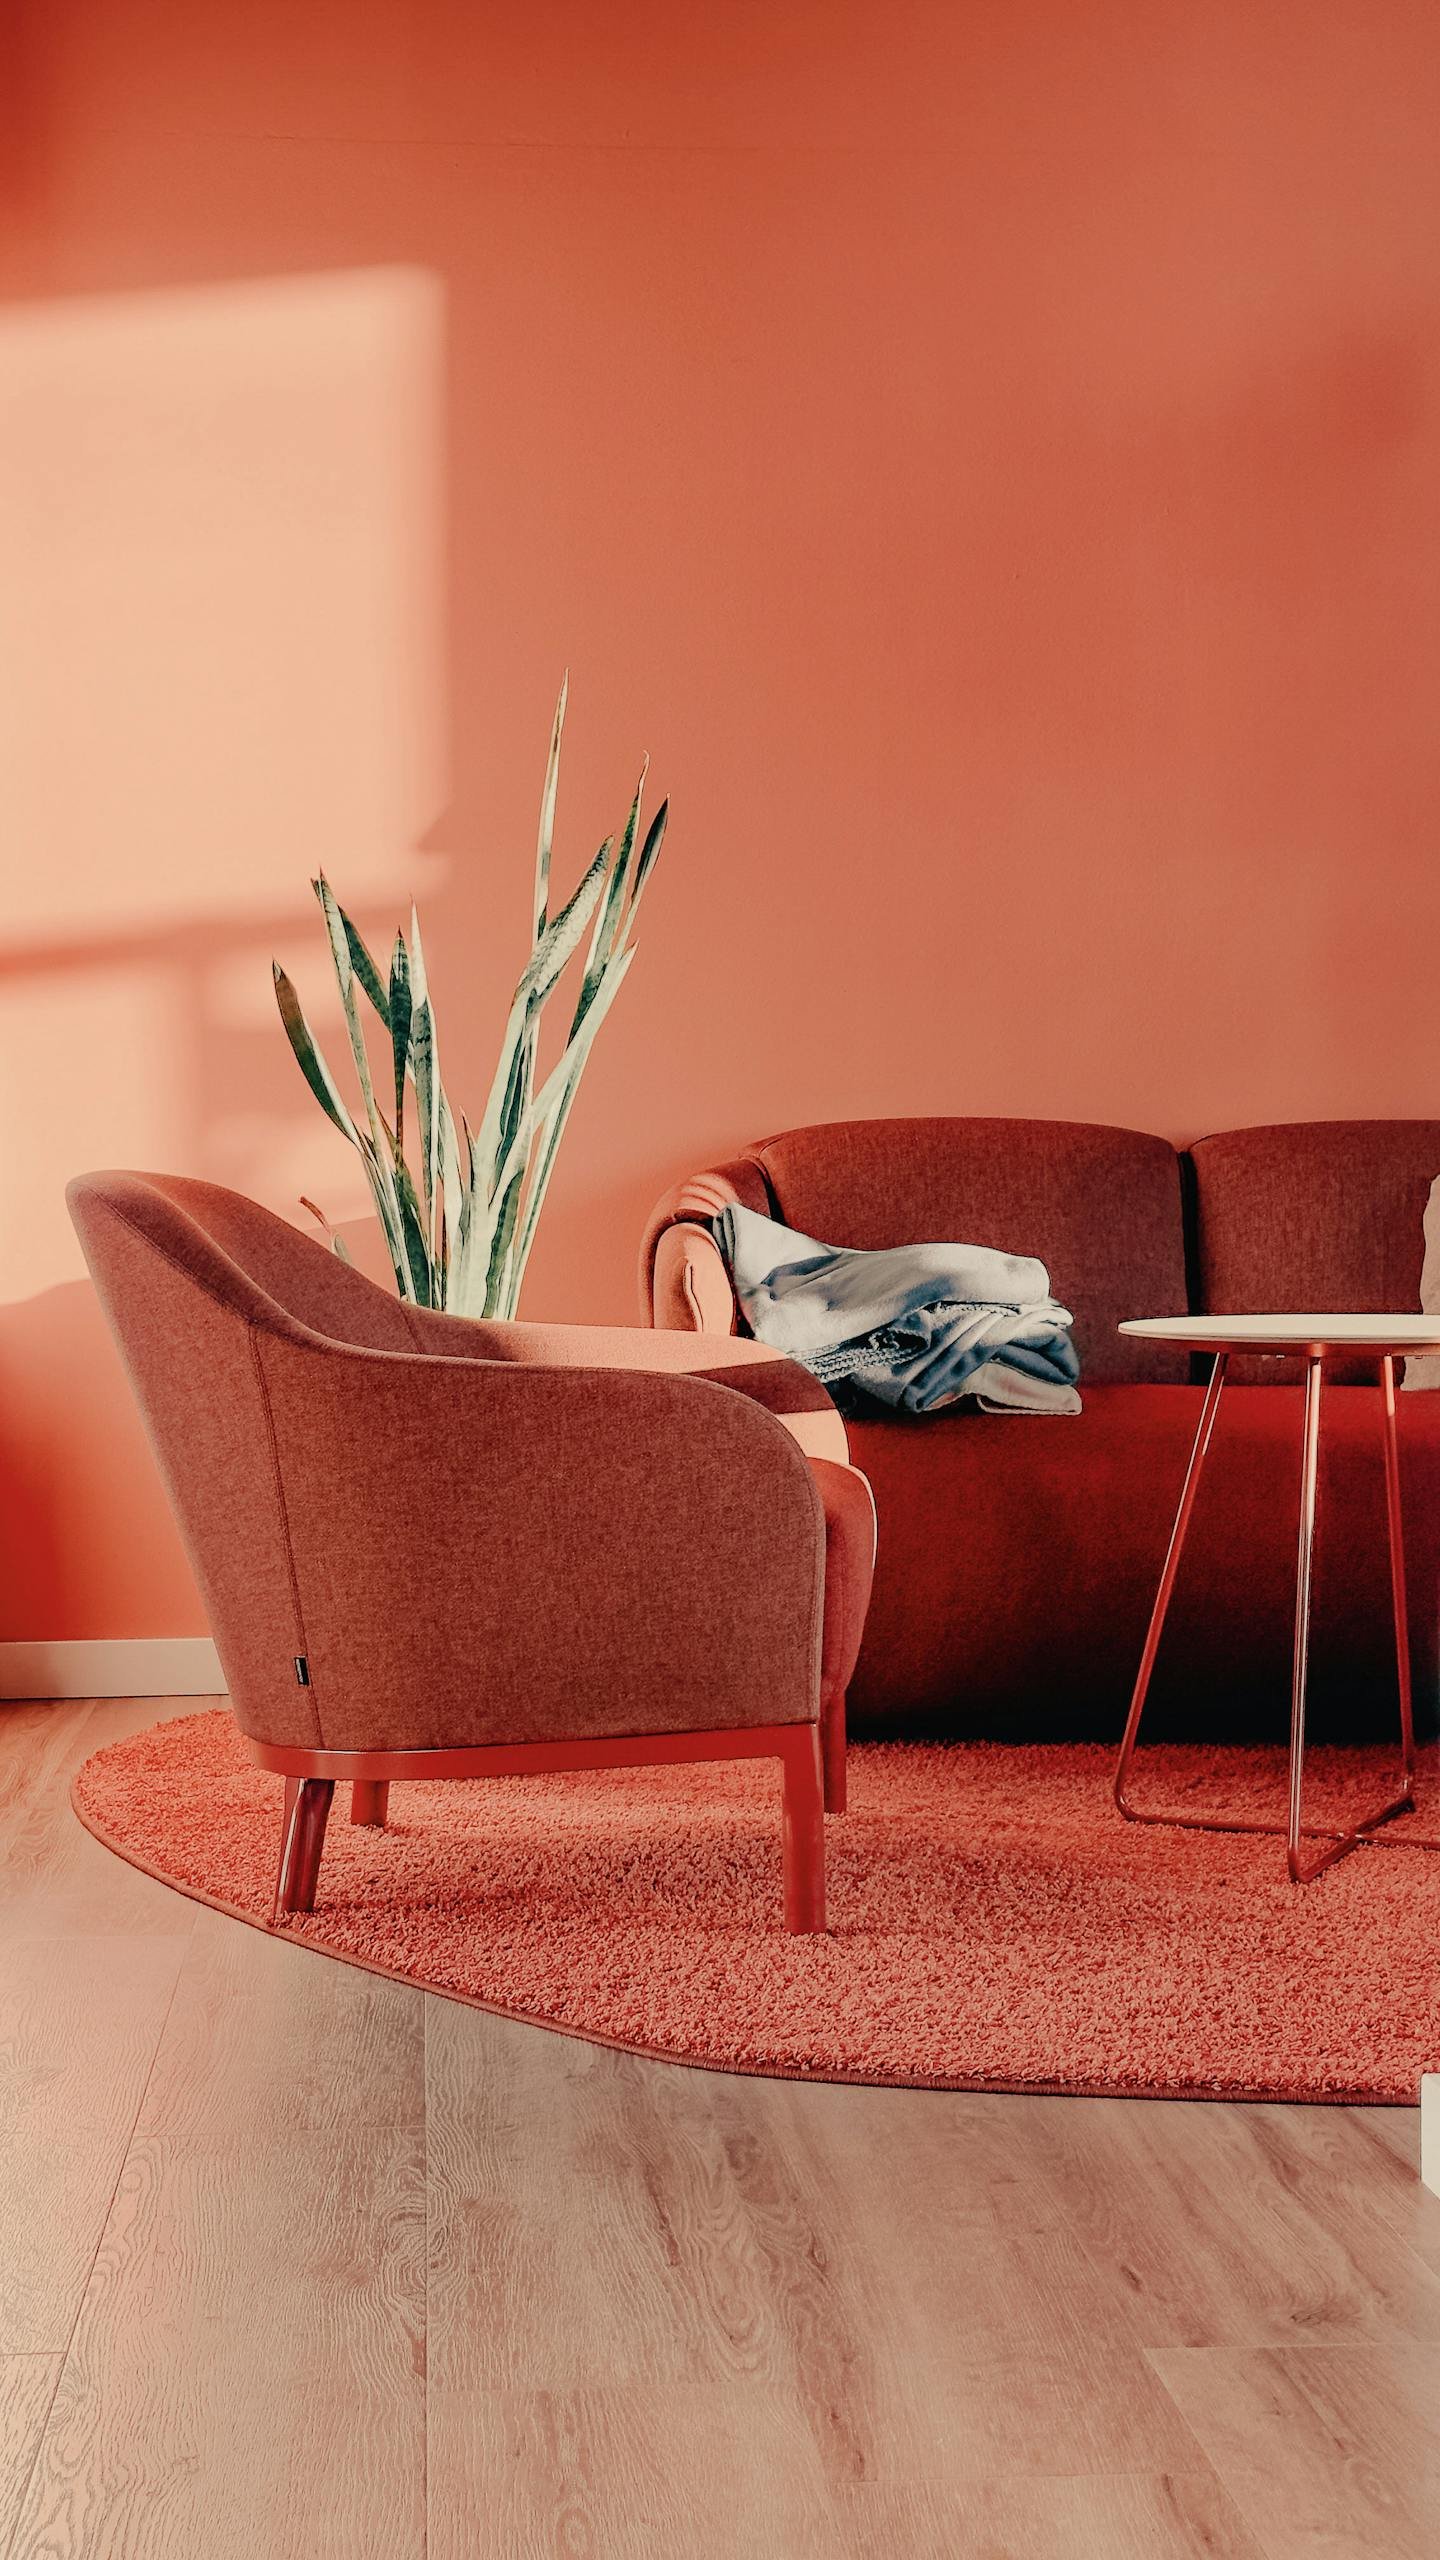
(90, 1550)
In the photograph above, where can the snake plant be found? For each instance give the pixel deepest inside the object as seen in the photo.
(458, 1207)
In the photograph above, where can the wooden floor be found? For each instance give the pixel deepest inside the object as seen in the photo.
(294, 2261)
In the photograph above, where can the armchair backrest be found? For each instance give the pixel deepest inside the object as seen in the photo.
(190, 1277)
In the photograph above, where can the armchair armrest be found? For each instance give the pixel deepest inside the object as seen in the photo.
(850, 1539)
(751, 1368)
(492, 1550)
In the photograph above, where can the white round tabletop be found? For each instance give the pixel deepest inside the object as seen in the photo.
(1313, 1334)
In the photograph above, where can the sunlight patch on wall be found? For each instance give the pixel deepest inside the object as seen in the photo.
(221, 668)
(220, 624)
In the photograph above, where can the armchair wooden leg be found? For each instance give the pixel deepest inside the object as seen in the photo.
(370, 1801)
(307, 1810)
(803, 1828)
(832, 1749)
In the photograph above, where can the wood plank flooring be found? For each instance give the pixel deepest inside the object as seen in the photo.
(297, 2262)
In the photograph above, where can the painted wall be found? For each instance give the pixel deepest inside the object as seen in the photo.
(988, 454)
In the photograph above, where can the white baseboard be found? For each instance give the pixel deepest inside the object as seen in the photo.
(147, 1667)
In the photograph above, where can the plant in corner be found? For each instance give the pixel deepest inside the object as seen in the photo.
(459, 1207)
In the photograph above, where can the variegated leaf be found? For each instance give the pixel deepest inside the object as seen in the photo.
(400, 1032)
(335, 1241)
(552, 1110)
(312, 1063)
(546, 835)
(607, 921)
(360, 959)
(380, 1136)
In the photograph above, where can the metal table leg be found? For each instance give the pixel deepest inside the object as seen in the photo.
(1171, 1566)
(1294, 1830)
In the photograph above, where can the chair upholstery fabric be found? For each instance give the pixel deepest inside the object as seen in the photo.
(472, 1533)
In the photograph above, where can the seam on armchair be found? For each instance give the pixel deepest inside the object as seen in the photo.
(277, 1475)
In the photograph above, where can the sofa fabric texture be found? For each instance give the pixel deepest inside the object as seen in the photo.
(472, 1533)
(1099, 1207)
(1325, 1216)
(1019, 1554)
(1019, 1558)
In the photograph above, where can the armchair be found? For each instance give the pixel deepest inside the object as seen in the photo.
(435, 1548)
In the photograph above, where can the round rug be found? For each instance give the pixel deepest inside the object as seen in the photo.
(994, 1924)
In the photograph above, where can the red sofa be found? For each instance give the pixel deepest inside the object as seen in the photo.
(1019, 1554)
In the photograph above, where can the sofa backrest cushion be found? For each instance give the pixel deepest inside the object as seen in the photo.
(1100, 1207)
(1317, 1217)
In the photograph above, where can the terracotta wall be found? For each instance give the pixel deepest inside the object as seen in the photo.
(988, 454)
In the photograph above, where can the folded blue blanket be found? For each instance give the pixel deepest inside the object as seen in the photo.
(917, 1327)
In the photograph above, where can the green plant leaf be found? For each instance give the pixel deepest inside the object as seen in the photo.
(519, 1085)
(650, 852)
(507, 1108)
(546, 835)
(459, 1226)
(561, 937)
(552, 1111)
(429, 1095)
(387, 1210)
(454, 1187)
(312, 1063)
(360, 959)
(413, 1236)
(337, 1243)
(381, 1140)
(555, 947)
(501, 1241)
(399, 1014)
(607, 922)
(422, 1060)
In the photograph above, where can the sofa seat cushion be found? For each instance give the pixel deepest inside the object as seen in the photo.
(1019, 1557)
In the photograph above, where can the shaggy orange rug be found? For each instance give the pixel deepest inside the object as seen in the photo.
(994, 1923)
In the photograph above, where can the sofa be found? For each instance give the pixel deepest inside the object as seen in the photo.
(1019, 1553)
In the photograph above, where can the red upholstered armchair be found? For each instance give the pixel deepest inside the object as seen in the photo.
(434, 1548)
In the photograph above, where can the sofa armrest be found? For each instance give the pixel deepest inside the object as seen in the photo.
(486, 1552)
(687, 1286)
(690, 1290)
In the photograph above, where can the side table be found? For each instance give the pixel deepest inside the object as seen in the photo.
(1314, 1339)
